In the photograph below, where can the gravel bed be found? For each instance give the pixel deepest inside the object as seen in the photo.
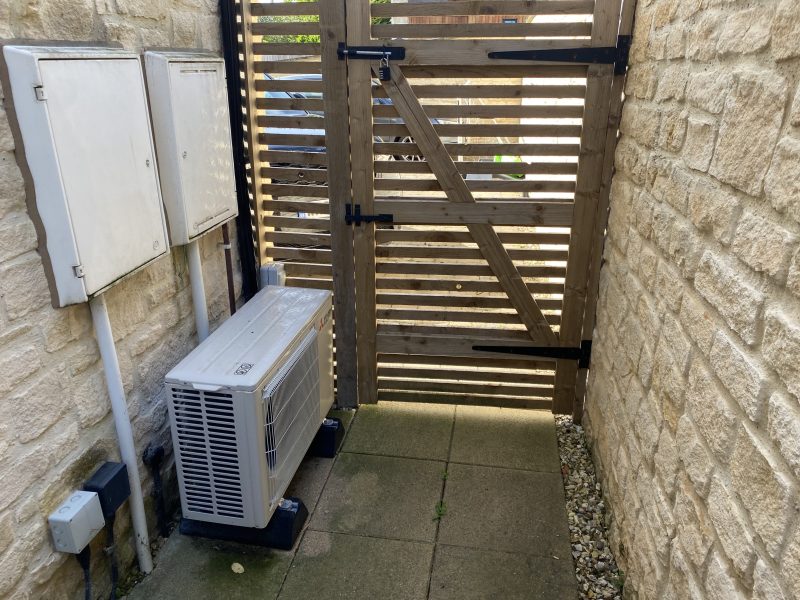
(595, 568)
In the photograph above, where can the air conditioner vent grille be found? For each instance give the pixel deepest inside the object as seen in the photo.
(206, 447)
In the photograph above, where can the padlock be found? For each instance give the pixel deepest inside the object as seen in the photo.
(384, 72)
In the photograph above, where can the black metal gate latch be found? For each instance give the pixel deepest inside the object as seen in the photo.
(608, 55)
(353, 216)
(583, 354)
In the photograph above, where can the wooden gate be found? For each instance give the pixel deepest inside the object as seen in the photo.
(488, 177)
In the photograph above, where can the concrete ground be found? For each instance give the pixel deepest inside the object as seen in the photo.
(423, 501)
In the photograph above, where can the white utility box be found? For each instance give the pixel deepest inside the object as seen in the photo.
(85, 129)
(246, 404)
(189, 105)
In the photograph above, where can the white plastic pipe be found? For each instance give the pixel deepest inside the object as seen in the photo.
(119, 407)
(198, 289)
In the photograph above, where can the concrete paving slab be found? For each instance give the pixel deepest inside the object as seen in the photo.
(331, 566)
(200, 569)
(505, 437)
(381, 496)
(309, 480)
(402, 429)
(505, 509)
(470, 574)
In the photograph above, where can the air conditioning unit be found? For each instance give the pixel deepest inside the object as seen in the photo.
(246, 404)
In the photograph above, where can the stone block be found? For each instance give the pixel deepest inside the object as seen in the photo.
(641, 81)
(764, 244)
(781, 348)
(782, 185)
(721, 283)
(19, 473)
(67, 19)
(17, 236)
(641, 123)
(694, 528)
(783, 426)
(631, 159)
(146, 9)
(672, 133)
(740, 374)
(786, 30)
(665, 460)
(91, 399)
(12, 187)
(701, 39)
(669, 285)
(39, 406)
(793, 278)
(708, 89)
(749, 129)
(701, 135)
(790, 563)
(745, 31)
(720, 583)
(17, 362)
(730, 526)
(713, 209)
(24, 285)
(184, 28)
(710, 413)
(765, 492)
(765, 583)
(794, 113)
(672, 83)
(675, 342)
(697, 321)
(685, 247)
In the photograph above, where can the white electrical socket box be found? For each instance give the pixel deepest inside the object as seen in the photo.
(83, 121)
(76, 521)
(189, 106)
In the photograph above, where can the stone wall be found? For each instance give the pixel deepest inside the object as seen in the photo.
(693, 409)
(55, 421)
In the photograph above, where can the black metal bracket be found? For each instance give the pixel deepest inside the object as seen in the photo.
(583, 354)
(608, 55)
(370, 52)
(353, 216)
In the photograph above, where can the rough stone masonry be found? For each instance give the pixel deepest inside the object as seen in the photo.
(55, 421)
(693, 405)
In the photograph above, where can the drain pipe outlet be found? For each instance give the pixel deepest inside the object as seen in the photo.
(119, 407)
(198, 289)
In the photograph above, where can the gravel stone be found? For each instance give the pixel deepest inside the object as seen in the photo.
(595, 567)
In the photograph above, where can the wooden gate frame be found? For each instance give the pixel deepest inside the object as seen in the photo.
(348, 123)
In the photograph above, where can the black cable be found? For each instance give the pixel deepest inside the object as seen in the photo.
(111, 551)
(84, 561)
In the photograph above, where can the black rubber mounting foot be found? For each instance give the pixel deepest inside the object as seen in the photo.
(328, 439)
(280, 533)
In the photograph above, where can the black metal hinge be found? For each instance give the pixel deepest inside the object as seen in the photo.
(609, 55)
(583, 354)
(370, 52)
(353, 216)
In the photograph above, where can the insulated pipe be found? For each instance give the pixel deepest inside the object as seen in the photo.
(198, 289)
(119, 407)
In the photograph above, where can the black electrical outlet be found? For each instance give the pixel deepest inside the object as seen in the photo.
(111, 483)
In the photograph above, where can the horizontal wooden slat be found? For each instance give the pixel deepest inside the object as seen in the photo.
(496, 213)
(447, 254)
(403, 149)
(282, 67)
(316, 284)
(459, 285)
(492, 91)
(295, 205)
(292, 140)
(460, 364)
(455, 270)
(477, 185)
(464, 388)
(293, 158)
(470, 334)
(508, 70)
(460, 301)
(300, 239)
(268, 104)
(469, 130)
(302, 254)
(295, 174)
(280, 49)
(454, 344)
(464, 237)
(488, 111)
(280, 122)
(296, 223)
(258, 9)
(484, 316)
(468, 52)
(307, 270)
(482, 167)
(286, 28)
(481, 7)
(464, 399)
(488, 376)
(482, 30)
(289, 85)
(305, 191)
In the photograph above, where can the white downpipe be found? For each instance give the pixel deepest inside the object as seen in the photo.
(198, 289)
(119, 407)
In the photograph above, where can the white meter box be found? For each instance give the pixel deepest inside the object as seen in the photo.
(84, 126)
(189, 106)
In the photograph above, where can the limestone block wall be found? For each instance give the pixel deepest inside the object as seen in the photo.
(693, 409)
(55, 421)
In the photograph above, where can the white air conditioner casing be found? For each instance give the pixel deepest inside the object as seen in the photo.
(246, 404)
(85, 130)
(189, 106)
